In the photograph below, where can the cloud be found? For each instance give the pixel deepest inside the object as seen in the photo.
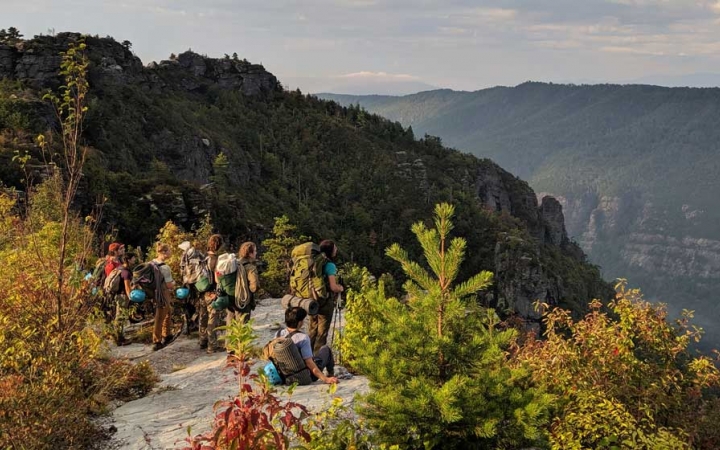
(379, 76)
(631, 50)
(310, 44)
(494, 14)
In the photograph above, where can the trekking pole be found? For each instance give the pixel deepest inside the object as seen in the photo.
(337, 319)
(333, 325)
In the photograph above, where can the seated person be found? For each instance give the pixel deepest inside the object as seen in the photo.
(323, 359)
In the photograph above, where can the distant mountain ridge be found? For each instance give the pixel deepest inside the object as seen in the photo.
(635, 166)
(687, 80)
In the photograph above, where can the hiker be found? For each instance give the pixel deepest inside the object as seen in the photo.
(247, 255)
(190, 265)
(320, 324)
(162, 330)
(113, 259)
(103, 267)
(122, 298)
(209, 317)
(315, 361)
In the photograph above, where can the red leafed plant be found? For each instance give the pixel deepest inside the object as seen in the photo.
(255, 418)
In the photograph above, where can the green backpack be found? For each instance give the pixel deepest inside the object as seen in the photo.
(226, 273)
(306, 274)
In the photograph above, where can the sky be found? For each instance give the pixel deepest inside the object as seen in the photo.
(402, 46)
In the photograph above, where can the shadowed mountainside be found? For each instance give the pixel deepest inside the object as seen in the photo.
(635, 168)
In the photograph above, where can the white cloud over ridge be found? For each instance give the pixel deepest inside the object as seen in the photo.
(379, 76)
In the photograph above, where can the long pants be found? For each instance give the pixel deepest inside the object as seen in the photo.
(237, 313)
(208, 320)
(121, 315)
(163, 324)
(324, 360)
(319, 325)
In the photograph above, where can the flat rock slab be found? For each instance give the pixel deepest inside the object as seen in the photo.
(192, 381)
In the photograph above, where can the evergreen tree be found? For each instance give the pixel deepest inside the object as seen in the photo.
(277, 255)
(437, 364)
(11, 36)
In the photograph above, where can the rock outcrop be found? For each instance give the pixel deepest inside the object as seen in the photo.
(36, 63)
(192, 381)
(500, 191)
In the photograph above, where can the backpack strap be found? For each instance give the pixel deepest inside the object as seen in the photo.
(289, 335)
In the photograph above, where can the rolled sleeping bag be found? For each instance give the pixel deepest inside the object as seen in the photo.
(309, 305)
(289, 362)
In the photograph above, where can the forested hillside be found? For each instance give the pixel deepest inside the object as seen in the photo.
(635, 168)
(194, 135)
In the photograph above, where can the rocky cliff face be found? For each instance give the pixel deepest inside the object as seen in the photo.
(36, 62)
(639, 230)
(501, 191)
(632, 238)
(521, 277)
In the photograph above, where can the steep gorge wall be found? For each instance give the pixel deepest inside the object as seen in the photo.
(632, 239)
(596, 222)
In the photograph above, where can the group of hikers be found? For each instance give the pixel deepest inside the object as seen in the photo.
(220, 283)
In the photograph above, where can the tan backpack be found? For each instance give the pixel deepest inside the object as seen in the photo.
(112, 283)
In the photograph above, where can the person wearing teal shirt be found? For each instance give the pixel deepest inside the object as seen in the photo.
(319, 325)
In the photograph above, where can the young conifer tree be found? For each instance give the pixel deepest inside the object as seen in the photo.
(277, 255)
(437, 364)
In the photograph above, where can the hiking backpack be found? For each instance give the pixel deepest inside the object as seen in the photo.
(226, 273)
(112, 283)
(145, 277)
(306, 274)
(205, 278)
(191, 265)
(98, 274)
(286, 356)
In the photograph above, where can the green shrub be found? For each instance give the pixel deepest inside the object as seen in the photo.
(624, 378)
(52, 379)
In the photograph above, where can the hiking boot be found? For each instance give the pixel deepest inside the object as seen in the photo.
(203, 345)
(157, 346)
(167, 340)
(212, 350)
